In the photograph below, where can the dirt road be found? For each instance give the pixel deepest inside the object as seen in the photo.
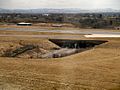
(81, 31)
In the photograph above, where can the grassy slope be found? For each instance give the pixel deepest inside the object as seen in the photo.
(95, 69)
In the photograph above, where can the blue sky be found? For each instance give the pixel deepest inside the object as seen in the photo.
(83, 4)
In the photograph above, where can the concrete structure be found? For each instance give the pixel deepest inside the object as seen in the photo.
(24, 24)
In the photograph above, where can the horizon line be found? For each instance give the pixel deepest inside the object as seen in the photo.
(58, 8)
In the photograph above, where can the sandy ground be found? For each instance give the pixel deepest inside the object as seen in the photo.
(95, 69)
(46, 36)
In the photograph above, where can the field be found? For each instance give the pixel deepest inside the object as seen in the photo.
(95, 69)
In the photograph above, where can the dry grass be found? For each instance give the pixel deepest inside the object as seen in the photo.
(11, 32)
(40, 26)
(96, 69)
(49, 27)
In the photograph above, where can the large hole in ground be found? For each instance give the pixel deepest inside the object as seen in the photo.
(69, 47)
(77, 44)
(65, 48)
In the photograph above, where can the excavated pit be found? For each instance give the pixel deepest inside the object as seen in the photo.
(69, 47)
(77, 44)
(65, 48)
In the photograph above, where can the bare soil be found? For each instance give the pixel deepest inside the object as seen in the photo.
(95, 69)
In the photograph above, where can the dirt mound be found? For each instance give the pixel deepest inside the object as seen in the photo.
(25, 49)
(48, 49)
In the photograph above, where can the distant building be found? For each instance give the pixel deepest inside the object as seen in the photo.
(45, 14)
(24, 24)
(117, 28)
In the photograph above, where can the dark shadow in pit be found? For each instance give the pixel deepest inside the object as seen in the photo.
(69, 47)
(64, 43)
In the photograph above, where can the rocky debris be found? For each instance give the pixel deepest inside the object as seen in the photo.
(45, 44)
(1, 51)
(35, 53)
(61, 53)
(17, 51)
(6, 47)
(24, 49)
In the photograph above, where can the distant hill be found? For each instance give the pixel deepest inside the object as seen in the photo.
(44, 10)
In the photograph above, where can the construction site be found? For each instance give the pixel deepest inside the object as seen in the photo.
(39, 59)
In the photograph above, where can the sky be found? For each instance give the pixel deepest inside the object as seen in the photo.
(82, 4)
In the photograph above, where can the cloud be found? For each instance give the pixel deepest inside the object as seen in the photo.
(84, 4)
